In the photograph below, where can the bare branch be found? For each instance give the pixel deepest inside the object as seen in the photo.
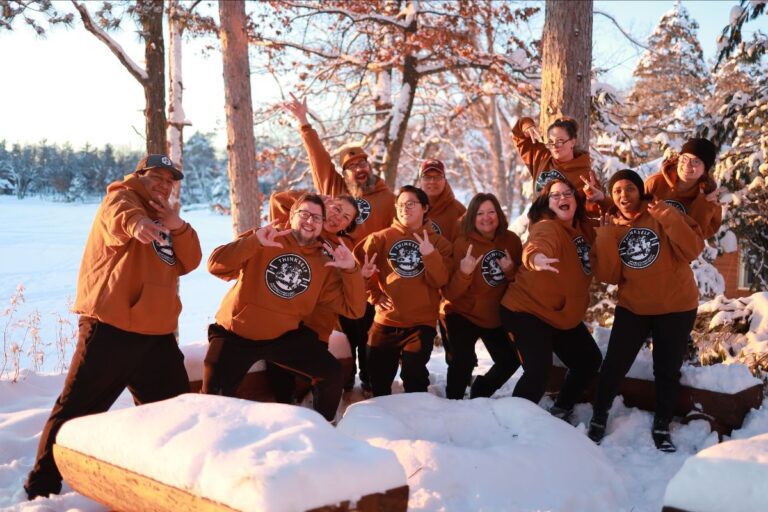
(629, 37)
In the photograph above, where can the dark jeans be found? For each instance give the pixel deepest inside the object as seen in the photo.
(388, 345)
(230, 357)
(536, 340)
(105, 362)
(356, 330)
(463, 335)
(670, 340)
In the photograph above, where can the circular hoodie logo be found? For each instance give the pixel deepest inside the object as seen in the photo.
(547, 176)
(676, 204)
(288, 275)
(364, 207)
(165, 250)
(639, 248)
(582, 249)
(490, 269)
(436, 228)
(405, 258)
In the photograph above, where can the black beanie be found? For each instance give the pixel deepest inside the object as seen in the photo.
(627, 174)
(703, 149)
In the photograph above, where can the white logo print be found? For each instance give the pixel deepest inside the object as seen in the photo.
(364, 207)
(582, 249)
(490, 268)
(288, 275)
(547, 176)
(165, 250)
(639, 248)
(405, 258)
(437, 228)
(166, 160)
(676, 204)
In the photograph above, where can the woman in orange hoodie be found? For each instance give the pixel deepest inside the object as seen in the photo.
(544, 307)
(486, 256)
(685, 183)
(559, 158)
(646, 248)
(413, 263)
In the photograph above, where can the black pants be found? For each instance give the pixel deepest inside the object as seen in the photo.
(356, 330)
(230, 357)
(670, 340)
(387, 346)
(536, 340)
(463, 335)
(105, 362)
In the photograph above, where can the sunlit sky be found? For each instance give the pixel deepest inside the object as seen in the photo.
(68, 87)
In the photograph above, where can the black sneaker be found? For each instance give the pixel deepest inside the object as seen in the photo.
(596, 431)
(561, 413)
(663, 441)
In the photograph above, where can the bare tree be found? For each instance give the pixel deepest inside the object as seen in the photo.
(241, 148)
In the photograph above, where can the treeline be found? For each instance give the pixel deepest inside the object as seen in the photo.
(62, 173)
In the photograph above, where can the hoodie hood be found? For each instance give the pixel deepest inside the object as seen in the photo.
(443, 201)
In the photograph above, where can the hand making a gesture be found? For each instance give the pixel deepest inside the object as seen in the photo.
(425, 246)
(268, 233)
(541, 262)
(468, 263)
(592, 189)
(298, 109)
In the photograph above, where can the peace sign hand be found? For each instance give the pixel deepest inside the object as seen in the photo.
(468, 262)
(541, 262)
(506, 262)
(268, 233)
(425, 246)
(369, 266)
(533, 134)
(297, 108)
(592, 189)
(342, 257)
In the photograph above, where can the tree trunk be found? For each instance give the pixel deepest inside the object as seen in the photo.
(151, 18)
(567, 65)
(241, 146)
(493, 133)
(176, 117)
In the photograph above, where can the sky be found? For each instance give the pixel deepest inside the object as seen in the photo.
(68, 87)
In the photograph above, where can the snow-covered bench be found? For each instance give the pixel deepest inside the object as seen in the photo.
(727, 477)
(198, 452)
(255, 385)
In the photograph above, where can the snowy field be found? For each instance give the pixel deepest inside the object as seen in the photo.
(497, 454)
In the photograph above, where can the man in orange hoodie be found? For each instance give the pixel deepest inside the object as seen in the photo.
(128, 305)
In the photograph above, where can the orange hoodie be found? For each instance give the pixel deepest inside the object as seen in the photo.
(377, 207)
(322, 320)
(410, 280)
(124, 282)
(277, 287)
(649, 258)
(693, 202)
(477, 296)
(445, 213)
(559, 299)
(544, 167)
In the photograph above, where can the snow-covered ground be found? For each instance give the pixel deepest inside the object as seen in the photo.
(457, 456)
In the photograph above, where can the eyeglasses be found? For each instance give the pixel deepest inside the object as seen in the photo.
(561, 195)
(408, 205)
(556, 143)
(432, 177)
(688, 159)
(357, 164)
(305, 215)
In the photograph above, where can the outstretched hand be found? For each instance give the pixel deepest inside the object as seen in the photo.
(268, 233)
(541, 262)
(468, 263)
(342, 257)
(425, 246)
(592, 189)
(147, 231)
(297, 108)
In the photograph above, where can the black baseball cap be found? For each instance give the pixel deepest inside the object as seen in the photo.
(159, 162)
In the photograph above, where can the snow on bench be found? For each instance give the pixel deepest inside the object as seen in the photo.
(458, 454)
(727, 477)
(196, 452)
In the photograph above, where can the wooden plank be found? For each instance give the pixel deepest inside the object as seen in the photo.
(127, 491)
(724, 411)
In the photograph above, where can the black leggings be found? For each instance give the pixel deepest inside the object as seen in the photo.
(670, 341)
(536, 340)
(356, 330)
(389, 345)
(463, 335)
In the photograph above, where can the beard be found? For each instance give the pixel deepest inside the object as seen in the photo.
(359, 190)
(301, 238)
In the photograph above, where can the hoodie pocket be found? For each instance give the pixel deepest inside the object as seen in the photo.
(157, 306)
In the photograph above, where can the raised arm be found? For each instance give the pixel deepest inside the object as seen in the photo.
(684, 233)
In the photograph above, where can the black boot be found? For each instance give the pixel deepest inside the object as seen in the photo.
(481, 388)
(661, 437)
(561, 413)
(597, 425)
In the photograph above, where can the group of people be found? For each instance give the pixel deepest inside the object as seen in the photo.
(391, 268)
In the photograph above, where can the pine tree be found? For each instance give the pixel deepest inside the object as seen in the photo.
(665, 104)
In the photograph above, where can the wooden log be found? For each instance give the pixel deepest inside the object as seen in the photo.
(127, 491)
(724, 411)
